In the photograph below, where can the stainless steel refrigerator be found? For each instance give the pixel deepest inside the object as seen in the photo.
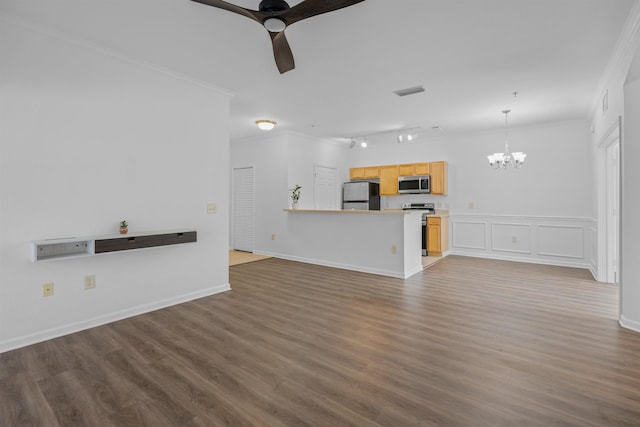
(361, 195)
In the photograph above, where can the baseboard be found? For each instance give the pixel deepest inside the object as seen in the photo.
(341, 266)
(519, 259)
(629, 324)
(71, 328)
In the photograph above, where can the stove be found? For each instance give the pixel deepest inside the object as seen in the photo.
(428, 208)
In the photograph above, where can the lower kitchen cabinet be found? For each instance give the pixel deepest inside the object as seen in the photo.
(437, 235)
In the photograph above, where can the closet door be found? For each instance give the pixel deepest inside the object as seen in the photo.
(243, 209)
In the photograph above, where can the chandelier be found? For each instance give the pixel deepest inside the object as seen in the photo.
(502, 160)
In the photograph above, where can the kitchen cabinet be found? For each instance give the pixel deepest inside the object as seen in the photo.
(367, 172)
(389, 174)
(414, 169)
(438, 172)
(437, 235)
(389, 180)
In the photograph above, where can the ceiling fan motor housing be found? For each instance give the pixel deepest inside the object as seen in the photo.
(273, 6)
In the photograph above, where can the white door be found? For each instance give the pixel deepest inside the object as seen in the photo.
(325, 187)
(613, 208)
(243, 209)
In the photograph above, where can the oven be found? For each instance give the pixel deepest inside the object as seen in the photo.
(424, 234)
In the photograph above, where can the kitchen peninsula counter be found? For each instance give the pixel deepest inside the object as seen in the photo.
(385, 242)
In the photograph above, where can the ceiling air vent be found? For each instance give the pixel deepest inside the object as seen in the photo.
(409, 91)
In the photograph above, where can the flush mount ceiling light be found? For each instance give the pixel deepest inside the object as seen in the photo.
(266, 124)
(502, 160)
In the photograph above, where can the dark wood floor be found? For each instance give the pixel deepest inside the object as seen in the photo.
(468, 342)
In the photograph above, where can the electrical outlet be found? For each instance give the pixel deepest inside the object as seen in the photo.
(47, 289)
(273, 237)
(471, 205)
(394, 249)
(212, 208)
(514, 239)
(89, 282)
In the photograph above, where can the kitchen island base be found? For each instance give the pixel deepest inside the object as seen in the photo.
(386, 243)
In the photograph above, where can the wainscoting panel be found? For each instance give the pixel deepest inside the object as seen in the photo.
(560, 241)
(469, 235)
(511, 238)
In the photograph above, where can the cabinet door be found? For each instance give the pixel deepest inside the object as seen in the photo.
(433, 239)
(421, 169)
(371, 172)
(405, 170)
(356, 173)
(438, 177)
(413, 169)
(389, 180)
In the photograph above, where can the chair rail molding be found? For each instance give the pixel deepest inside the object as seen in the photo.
(552, 240)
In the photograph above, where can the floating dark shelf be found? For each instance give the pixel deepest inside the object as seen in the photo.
(146, 241)
(73, 247)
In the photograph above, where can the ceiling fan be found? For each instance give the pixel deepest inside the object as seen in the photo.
(276, 15)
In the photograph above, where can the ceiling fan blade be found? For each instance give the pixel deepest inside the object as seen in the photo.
(309, 8)
(252, 14)
(282, 52)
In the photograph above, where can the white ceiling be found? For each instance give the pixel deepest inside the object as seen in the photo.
(470, 55)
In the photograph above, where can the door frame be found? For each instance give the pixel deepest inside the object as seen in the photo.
(232, 206)
(604, 213)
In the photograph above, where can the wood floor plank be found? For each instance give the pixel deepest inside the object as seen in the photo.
(467, 342)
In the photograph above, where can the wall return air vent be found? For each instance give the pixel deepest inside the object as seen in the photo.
(409, 91)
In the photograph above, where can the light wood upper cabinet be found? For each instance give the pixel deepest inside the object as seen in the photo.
(389, 174)
(414, 169)
(389, 180)
(356, 173)
(372, 172)
(438, 172)
(364, 172)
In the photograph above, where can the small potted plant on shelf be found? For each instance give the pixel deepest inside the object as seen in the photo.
(123, 227)
(295, 196)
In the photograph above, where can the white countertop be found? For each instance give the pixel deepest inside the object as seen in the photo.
(367, 212)
(354, 211)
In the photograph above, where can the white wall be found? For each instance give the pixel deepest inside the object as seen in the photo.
(88, 139)
(630, 231)
(543, 186)
(268, 156)
(280, 161)
(540, 213)
(623, 100)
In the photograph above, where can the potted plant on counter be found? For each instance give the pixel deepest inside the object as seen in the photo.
(123, 227)
(295, 196)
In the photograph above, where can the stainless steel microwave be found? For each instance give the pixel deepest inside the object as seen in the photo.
(414, 184)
